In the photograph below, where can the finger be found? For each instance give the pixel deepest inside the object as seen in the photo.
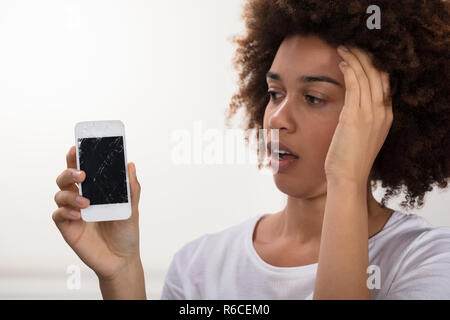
(352, 90)
(69, 198)
(365, 93)
(373, 75)
(65, 213)
(71, 158)
(386, 88)
(135, 187)
(387, 97)
(67, 179)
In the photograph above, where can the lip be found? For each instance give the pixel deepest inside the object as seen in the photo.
(280, 146)
(280, 165)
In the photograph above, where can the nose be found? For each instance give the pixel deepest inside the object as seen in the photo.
(281, 117)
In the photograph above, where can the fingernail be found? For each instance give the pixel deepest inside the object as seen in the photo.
(76, 174)
(81, 201)
(134, 171)
(344, 48)
(343, 64)
(73, 213)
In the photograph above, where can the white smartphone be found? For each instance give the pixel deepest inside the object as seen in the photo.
(101, 154)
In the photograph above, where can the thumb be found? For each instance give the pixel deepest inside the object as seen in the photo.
(135, 187)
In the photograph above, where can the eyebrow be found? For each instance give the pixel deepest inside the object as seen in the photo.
(305, 79)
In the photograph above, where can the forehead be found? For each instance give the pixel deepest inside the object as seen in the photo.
(308, 53)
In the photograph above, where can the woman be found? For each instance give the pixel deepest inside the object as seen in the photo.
(376, 108)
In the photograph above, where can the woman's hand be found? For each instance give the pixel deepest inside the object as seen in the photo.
(363, 126)
(110, 248)
(364, 121)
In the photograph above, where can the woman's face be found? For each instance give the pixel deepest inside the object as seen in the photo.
(308, 94)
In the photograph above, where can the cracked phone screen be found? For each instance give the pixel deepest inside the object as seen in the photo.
(103, 161)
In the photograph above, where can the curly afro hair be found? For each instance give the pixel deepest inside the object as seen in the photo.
(412, 46)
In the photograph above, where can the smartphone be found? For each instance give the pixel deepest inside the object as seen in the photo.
(101, 154)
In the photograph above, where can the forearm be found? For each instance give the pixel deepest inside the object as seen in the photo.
(343, 253)
(129, 284)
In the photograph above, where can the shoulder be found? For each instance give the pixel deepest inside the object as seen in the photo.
(187, 271)
(427, 243)
(422, 254)
(408, 236)
(415, 230)
(206, 244)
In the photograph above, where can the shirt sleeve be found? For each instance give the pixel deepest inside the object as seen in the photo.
(173, 285)
(424, 273)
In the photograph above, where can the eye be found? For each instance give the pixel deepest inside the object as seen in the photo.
(313, 100)
(273, 95)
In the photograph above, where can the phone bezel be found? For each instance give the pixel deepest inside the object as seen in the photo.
(105, 128)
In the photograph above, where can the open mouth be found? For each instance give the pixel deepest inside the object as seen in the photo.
(283, 155)
(282, 152)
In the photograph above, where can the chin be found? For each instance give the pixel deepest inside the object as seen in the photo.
(294, 186)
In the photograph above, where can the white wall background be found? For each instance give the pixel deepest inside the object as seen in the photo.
(158, 66)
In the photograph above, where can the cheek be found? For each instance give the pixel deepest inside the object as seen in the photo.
(318, 138)
(266, 119)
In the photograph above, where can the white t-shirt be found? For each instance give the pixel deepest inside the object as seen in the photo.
(413, 259)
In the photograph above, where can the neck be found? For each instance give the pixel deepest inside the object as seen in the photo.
(301, 220)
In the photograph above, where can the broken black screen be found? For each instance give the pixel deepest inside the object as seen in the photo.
(103, 161)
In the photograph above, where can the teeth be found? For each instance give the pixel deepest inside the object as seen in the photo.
(281, 151)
